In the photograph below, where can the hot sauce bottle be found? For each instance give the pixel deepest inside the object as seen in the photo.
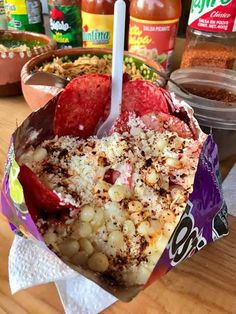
(24, 15)
(153, 27)
(65, 22)
(97, 23)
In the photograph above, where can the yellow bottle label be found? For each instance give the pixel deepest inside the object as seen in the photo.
(97, 30)
(16, 6)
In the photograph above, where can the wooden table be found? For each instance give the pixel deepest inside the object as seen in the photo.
(206, 283)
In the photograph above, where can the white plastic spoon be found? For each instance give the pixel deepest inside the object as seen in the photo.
(117, 67)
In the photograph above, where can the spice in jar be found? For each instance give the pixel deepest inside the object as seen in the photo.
(65, 22)
(211, 92)
(210, 40)
(153, 28)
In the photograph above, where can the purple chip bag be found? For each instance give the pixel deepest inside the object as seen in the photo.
(203, 221)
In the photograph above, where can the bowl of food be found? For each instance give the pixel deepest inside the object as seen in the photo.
(212, 94)
(16, 48)
(70, 63)
(124, 209)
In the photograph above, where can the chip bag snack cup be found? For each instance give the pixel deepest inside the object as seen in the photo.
(37, 206)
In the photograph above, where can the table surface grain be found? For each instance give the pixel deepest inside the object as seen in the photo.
(206, 283)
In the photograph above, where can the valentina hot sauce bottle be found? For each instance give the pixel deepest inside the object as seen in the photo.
(153, 27)
(97, 23)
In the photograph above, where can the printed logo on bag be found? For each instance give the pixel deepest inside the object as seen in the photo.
(213, 15)
(186, 240)
(220, 224)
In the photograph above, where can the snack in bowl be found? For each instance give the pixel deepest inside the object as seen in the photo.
(69, 63)
(16, 49)
(124, 209)
(70, 69)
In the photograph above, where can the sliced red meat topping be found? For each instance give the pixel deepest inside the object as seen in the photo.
(143, 97)
(37, 196)
(162, 121)
(111, 176)
(81, 105)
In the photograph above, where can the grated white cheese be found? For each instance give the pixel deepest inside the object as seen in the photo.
(135, 187)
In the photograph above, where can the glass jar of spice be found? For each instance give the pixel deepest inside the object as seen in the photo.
(211, 35)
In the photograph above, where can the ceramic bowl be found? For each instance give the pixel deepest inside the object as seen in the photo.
(38, 95)
(11, 62)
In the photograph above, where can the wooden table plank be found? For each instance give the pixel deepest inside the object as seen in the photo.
(206, 283)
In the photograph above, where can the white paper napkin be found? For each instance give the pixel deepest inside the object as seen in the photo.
(229, 190)
(31, 264)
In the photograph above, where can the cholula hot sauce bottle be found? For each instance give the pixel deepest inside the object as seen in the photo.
(153, 28)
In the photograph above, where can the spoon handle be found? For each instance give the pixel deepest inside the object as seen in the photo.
(46, 79)
(117, 58)
(117, 67)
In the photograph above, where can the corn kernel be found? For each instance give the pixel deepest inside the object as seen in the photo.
(112, 226)
(40, 154)
(167, 216)
(87, 213)
(174, 163)
(82, 229)
(50, 237)
(161, 144)
(116, 239)
(161, 243)
(135, 206)
(168, 229)
(129, 228)
(155, 226)
(151, 176)
(117, 193)
(113, 211)
(102, 188)
(136, 217)
(98, 262)
(69, 247)
(177, 193)
(154, 257)
(86, 246)
(144, 228)
(98, 219)
(142, 275)
(80, 258)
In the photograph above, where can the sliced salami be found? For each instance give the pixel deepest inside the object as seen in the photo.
(81, 105)
(162, 121)
(37, 196)
(143, 97)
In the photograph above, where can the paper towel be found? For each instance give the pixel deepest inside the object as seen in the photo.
(31, 264)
